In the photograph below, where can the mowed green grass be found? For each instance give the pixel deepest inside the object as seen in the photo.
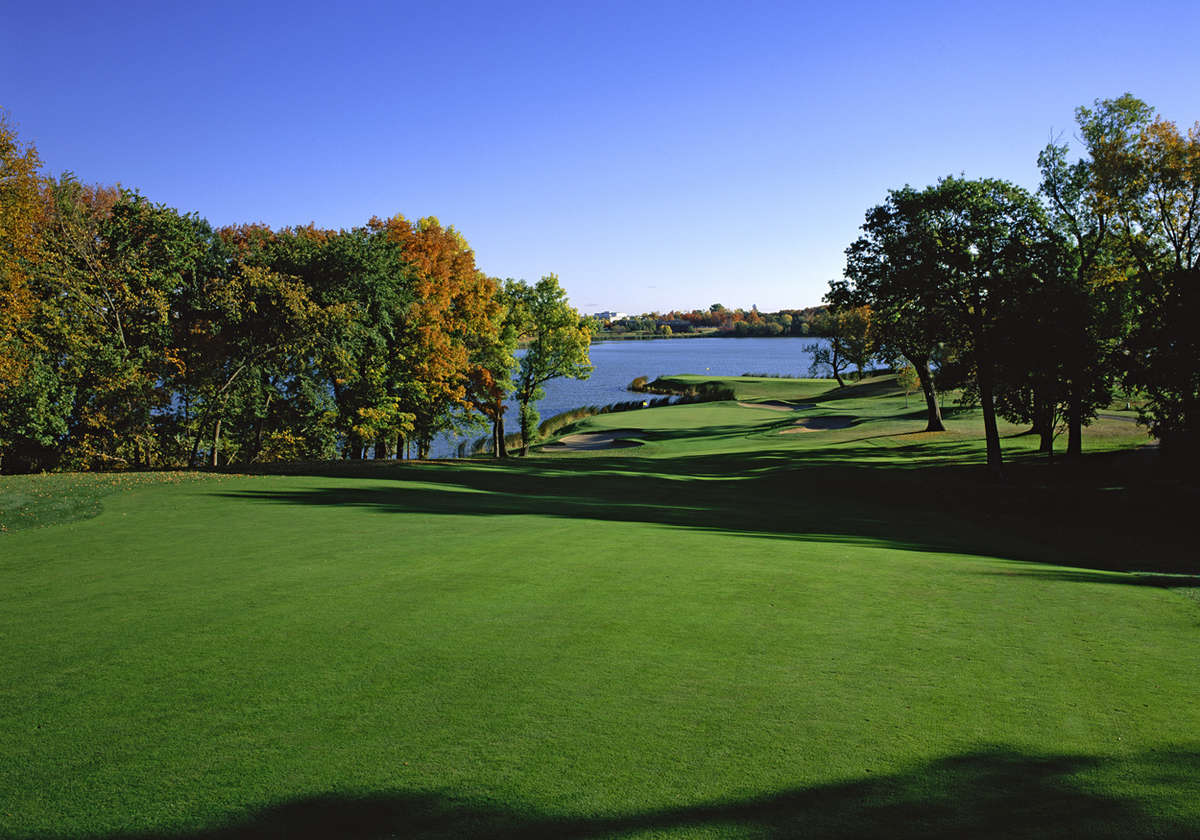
(724, 632)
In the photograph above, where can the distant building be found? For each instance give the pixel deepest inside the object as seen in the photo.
(610, 316)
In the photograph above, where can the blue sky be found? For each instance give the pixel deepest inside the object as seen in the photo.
(653, 155)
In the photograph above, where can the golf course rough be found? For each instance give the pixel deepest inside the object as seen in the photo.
(722, 632)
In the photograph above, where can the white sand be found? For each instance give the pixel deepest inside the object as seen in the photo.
(776, 405)
(819, 424)
(591, 440)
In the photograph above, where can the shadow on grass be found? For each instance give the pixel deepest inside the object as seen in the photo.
(870, 387)
(990, 793)
(854, 493)
(1161, 581)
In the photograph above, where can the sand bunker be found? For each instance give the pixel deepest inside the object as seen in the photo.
(586, 441)
(819, 424)
(776, 405)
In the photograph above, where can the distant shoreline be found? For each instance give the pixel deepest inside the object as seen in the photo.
(599, 339)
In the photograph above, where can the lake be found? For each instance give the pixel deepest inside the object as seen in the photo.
(617, 363)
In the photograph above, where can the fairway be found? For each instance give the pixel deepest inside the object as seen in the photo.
(719, 629)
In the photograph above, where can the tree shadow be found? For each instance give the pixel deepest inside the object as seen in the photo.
(995, 792)
(1158, 580)
(870, 387)
(848, 493)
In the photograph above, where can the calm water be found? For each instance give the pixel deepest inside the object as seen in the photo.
(617, 363)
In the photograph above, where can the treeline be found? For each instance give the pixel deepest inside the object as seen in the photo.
(136, 336)
(717, 320)
(1041, 305)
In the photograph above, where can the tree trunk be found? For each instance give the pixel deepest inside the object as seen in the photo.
(500, 448)
(933, 412)
(990, 429)
(835, 361)
(1074, 426)
(526, 431)
(380, 448)
(1190, 432)
(1044, 426)
(216, 442)
(1043, 423)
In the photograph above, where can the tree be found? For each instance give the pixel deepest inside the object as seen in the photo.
(908, 380)
(955, 256)
(1091, 302)
(987, 246)
(884, 270)
(449, 329)
(27, 414)
(1147, 173)
(846, 329)
(558, 345)
(495, 355)
(110, 287)
(247, 323)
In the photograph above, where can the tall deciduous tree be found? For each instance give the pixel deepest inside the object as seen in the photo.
(494, 352)
(20, 246)
(986, 247)
(1147, 172)
(558, 341)
(961, 252)
(885, 270)
(449, 327)
(1090, 304)
(847, 330)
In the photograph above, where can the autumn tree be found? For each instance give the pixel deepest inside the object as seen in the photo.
(448, 366)
(1146, 174)
(27, 414)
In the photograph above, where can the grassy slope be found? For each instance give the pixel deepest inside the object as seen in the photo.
(724, 632)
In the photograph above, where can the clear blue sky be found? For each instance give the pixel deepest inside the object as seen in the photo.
(653, 155)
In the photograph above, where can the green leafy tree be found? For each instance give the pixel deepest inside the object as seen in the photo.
(987, 245)
(908, 381)
(495, 355)
(885, 271)
(849, 343)
(958, 253)
(1085, 322)
(558, 341)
